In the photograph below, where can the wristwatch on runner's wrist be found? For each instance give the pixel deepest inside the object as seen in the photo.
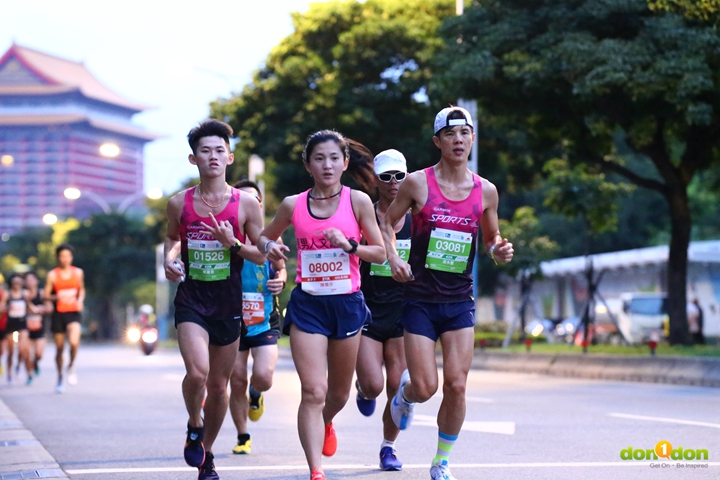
(235, 249)
(353, 246)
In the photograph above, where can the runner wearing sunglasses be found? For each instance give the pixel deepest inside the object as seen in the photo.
(382, 340)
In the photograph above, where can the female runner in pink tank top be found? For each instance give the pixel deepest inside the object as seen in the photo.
(327, 309)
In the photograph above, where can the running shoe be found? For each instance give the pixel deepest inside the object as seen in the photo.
(400, 410)
(317, 474)
(207, 470)
(29, 381)
(60, 387)
(36, 366)
(243, 445)
(441, 471)
(72, 379)
(257, 407)
(365, 405)
(389, 461)
(330, 444)
(194, 448)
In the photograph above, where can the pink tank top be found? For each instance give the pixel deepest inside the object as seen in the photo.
(322, 268)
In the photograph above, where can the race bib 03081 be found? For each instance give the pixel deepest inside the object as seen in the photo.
(448, 250)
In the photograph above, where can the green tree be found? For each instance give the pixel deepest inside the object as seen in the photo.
(358, 67)
(113, 250)
(594, 79)
(705, 10)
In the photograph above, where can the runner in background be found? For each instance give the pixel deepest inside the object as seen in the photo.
(448, 203)
(327, 309)
(65, 286)
(260, 284)
(36, 323)
(15, 303)
(382, 339)
(3, 326)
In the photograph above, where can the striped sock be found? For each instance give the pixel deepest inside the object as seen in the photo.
(445, 445)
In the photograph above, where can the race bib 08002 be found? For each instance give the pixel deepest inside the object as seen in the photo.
(209, 260)
(448, 250)
(325, 272)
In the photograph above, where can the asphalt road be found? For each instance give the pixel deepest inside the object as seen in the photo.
(126, 420)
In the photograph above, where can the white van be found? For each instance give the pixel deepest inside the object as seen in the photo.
(642, 316)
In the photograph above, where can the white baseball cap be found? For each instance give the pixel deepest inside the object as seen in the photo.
(390, 160)
(441, 119)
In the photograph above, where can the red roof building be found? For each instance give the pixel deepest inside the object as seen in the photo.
(54, 117)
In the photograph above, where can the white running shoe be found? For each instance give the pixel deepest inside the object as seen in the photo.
(400, 410)
(60, 388)
(71, 377)
(441, 471)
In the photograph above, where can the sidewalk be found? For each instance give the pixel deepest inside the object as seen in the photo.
(697, 371)
(21, 455)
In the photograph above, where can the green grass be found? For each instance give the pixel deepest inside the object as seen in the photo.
(663, 350)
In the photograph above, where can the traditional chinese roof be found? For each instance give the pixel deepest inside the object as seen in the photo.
(65, 119)
(24, 71)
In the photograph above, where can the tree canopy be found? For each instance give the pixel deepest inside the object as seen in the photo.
(358, 68)
(607, 83)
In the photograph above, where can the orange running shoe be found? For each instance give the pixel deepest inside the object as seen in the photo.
(317, 474)
(330, 445)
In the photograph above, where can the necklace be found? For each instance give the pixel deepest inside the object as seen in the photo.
(222, 200)
(325, 198)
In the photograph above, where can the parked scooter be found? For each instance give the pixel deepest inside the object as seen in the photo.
(145, 332)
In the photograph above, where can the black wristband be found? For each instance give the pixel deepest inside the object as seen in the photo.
(353, 246)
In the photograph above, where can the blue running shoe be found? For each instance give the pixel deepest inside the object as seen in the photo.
(400, 410)
(207, 470)
(194, 452)
(365, 405)
(441, 471)
(389, 461)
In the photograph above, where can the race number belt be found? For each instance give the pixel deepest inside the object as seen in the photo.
(253, 308)
(325, 272)
(17, 308)
(448, 251)
(209, 260)
(403, 249)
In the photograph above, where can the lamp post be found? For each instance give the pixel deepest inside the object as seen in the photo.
(73, 193)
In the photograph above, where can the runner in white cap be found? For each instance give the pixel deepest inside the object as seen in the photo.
(382, 341)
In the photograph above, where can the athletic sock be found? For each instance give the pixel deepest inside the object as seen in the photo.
(445, 445)
(253, 393)
(387, 443)
(243, 437)
(402, 395)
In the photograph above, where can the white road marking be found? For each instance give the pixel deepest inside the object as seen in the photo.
(479, 400)
(503, 428)
(664, 420)
(96, 471)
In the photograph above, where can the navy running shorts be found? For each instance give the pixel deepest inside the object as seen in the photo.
(385, 322)
(334, 316)
(268, 337)
(433, 319)
(60, 321)
(220, 332)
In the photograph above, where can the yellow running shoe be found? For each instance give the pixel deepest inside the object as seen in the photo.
(243, 445)
(257, 407)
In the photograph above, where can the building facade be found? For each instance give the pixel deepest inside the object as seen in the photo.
(59, 128)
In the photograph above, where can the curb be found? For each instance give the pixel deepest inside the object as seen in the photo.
(695, 371)
(21, 454)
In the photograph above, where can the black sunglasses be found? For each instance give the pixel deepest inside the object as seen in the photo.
(387, 177)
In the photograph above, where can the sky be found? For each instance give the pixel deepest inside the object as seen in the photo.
(161, 53)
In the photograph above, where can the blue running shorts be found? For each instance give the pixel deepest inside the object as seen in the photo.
(433, 319)
(334, 316)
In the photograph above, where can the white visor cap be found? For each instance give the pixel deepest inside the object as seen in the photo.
(389, 161)
(441, 119)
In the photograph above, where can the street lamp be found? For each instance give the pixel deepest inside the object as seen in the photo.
(109, 150)
(72, 193)
(50, 219)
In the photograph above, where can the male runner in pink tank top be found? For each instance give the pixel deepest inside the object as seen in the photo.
(204, 250)
(449, 203)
